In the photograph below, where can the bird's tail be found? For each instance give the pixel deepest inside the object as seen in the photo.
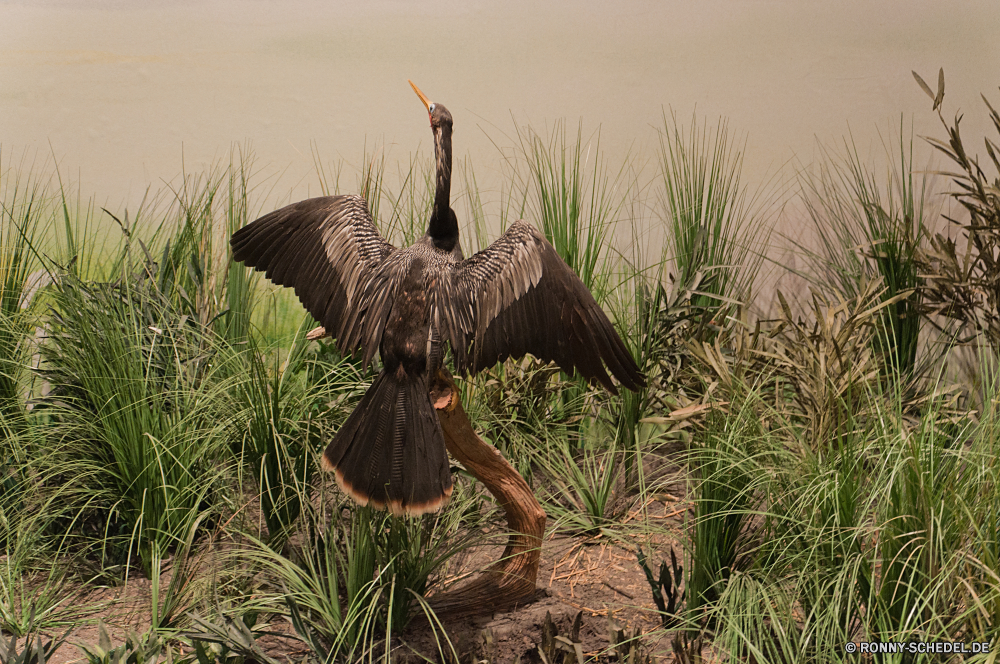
(390, 453)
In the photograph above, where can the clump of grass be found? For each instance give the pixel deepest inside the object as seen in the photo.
(576, 200)
(146, 648)
(358, 577)
(38, 589)
(22, 206)
(868, 231)
(35, 593)
(726, 498)
(136, 408)
(274, 447)
(716, 231)
(582, 483)
(326, 587)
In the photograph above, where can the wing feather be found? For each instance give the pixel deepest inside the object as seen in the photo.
(328, 250)
(525, 299)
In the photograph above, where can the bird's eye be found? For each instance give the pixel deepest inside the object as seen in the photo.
(431, 108)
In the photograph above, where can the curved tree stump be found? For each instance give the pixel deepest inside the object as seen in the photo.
(511, 580)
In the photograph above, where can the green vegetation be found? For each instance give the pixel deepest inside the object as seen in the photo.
(162, 416)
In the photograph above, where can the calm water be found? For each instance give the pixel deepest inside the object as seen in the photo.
(124, 93)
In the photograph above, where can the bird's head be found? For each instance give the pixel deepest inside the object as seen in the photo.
(438, 114)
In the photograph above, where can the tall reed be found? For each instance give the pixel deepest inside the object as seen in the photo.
(576, 200)
(22, 206)
(135, 401)
(869, 229)
(717, 231)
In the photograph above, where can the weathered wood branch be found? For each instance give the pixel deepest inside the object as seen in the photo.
(511, 580)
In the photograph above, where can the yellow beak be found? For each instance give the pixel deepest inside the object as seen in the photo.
(423, 97)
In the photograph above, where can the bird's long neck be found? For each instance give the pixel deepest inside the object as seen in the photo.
(443, 226)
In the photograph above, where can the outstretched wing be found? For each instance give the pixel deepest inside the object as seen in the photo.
(527, 300)
(330, 252)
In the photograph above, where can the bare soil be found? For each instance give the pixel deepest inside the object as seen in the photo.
(598, 577)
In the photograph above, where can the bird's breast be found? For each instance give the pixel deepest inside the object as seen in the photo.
(404, 340)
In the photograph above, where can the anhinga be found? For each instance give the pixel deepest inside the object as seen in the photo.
(514, 297)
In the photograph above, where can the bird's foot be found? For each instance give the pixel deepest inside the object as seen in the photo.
(443, 392)
(316, 333)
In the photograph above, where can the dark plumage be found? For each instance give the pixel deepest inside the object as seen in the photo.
(514, 297)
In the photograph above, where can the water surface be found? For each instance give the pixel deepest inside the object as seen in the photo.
(124, 93)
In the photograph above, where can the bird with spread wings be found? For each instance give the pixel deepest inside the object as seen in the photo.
(517, 296)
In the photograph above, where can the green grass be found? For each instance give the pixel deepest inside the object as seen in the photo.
(133, 400)
(274, 445)
(581, 479)
(168, 419)
(717, 230)
(869, 227)
(38, 589)
(358, 576)
(869, 542)
(23, 202)
(576, 200)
